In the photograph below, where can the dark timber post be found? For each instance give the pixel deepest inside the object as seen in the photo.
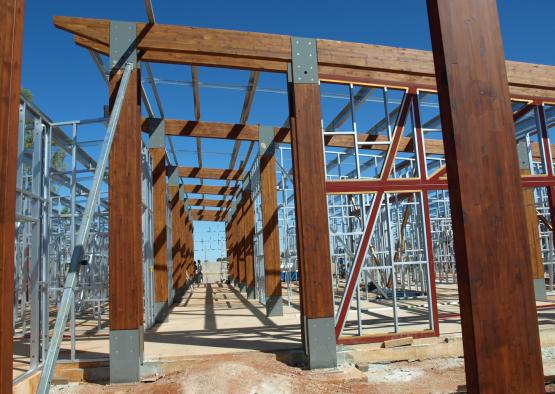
(310, 206)
(270, 228)
(241, 242)
(249, 230)
(125, 214)
(499, 320)
(173, 187)
(157, 149)
(11, 37)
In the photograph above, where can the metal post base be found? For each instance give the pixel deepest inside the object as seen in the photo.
(539, 289)
(126, 355)
(320, 346)
(274, 306)
(160, 312)
(242, 287)
(251, 292)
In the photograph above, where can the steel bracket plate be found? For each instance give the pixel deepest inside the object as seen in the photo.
(125, 355)
(321, 345)
(304, 60)
(157, 133)
(266, 138)
(523, 157)
(123, 44)
(173, 177)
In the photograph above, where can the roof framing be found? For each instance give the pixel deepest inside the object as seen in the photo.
(337, 60)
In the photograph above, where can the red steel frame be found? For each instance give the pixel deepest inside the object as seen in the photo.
(423, 184)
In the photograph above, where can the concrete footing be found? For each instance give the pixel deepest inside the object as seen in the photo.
(320, 347)
(274, 306)
(126, 355)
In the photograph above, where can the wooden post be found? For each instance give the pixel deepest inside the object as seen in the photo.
(183, 245)
(125, 231)
(159, 212)
(11, 37)
(499, 320)
(173, 187)
(241, 242)
(270, 228)
(310, 207)
(248, 217)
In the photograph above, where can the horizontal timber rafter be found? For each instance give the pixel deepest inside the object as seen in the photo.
(204, 202)
(203, 189)
(272, 52)
(210, 173)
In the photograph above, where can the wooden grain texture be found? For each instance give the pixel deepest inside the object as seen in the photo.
(189, 251)
(499, 320)
(272, 52)
(204, 189)
(206, 202)
(11, 36)
(310, 202)
(159, 212)
(210, 173)
(176, 235)
(125, 211)
(270, 226)
(241, 244)
(249, 230)
(532, 230)
(208, 215)
(181, 228)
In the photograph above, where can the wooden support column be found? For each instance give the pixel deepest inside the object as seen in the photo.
(241, 242)
(248, 249)
(310, 207)
(235, 251)
(159, 212)
(183, 244)
(270, 227)
(189, 247)
(173, 187)
(499, 320)
(125, 230)
(11, 37)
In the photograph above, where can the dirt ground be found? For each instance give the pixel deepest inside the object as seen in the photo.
(255, 372)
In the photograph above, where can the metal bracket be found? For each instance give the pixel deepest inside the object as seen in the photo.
(523, 157)
(157, 133)
(123, 44)
(266, 138)
(304, 60)
(173, 177)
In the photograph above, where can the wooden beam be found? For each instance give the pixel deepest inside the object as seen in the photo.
(271, 52)
(204, 202)
(210, 173)
(203, 189)
(499, 321)
(159, 213)
(249, 96)
(11, 36)
(270, 233)
(249, 230)
(210, 215)
(125, 213)
(317, 309)
(176, 234)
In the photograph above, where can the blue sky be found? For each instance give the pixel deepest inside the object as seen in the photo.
(66, 84)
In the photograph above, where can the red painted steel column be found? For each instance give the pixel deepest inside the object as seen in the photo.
(11, 38)
(499, 320)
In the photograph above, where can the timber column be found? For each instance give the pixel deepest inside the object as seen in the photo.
(241, 243)
(173, 187)
(249, 230)
(311, 212)
(11, 38)
(498, 312)
(270, 228)
(125, 214)
(157, 149)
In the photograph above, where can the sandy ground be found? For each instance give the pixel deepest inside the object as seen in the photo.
(255, 372)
